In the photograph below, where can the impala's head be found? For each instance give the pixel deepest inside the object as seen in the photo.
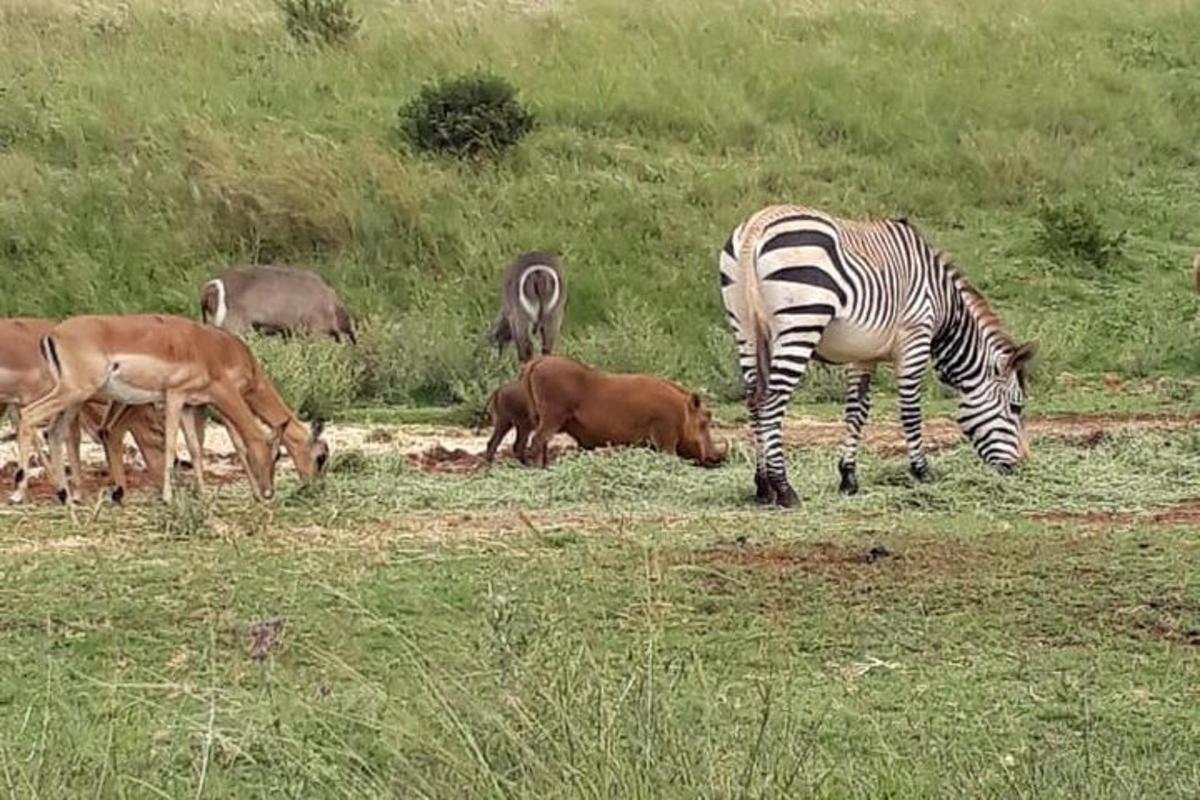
(308, 451)
(260, 463)
(991, 414)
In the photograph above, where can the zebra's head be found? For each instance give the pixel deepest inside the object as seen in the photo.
(991, 413)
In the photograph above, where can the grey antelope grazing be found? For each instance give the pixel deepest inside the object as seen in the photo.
(140, 360)
(799, 284)
(275, 300)
(25, 377)
(532, 296)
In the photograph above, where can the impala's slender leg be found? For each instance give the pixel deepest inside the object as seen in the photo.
(112, 434)
(191, 435)
(173, 409)
(73, 444)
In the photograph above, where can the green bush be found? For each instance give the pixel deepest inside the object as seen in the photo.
(467, 116)
(322, 22)
(432, 356)
(317, 377)
(1073, 230)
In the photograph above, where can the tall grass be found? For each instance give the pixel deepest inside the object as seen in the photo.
(145, 145)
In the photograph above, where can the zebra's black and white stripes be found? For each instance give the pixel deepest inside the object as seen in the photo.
(799, 285)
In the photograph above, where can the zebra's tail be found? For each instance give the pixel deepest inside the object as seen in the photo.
(756, 306)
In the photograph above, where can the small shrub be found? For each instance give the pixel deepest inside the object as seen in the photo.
(318, 378)
(434, 354)
(1074, 230)
(321, 22)
(471, 115)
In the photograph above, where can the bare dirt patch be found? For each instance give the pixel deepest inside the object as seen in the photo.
(887, 438)
(438, 459)
(1182, 514)
(835, 562)
(1163, 619)
(95, 481)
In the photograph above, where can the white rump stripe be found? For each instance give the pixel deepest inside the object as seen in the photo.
(222, 307)
(530, 308)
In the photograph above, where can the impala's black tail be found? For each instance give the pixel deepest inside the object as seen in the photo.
(50, 354)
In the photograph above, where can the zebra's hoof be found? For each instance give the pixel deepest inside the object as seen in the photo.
(849, 484)
(786, 497)
(921, 474)
(764, 492)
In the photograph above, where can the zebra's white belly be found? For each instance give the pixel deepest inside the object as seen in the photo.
(844, 342)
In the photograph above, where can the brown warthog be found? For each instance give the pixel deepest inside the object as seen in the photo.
(602, 408)
(508, 408)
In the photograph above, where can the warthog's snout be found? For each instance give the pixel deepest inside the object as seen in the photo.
(717, 457)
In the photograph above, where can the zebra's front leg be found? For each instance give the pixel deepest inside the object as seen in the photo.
(910, 372)
(858, 407)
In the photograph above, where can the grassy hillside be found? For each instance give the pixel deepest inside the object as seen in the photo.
(145, 145)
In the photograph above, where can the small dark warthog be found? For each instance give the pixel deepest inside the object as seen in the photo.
(597, 409)
(275, 300)
(531, 301)
(508, 408)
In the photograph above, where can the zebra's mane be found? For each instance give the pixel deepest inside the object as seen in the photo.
(977, 306)
(982, 311)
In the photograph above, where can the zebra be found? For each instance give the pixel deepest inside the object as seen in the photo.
(799, 284)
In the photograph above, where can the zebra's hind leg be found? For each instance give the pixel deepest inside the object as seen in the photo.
(910, 371)
(764, 493)
(769, 428)
(858, 407)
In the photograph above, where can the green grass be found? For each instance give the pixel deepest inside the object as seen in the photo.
(143, 149)
(623, 625)
(620, 626)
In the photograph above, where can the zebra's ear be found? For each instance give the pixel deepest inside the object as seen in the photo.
(1019, 360)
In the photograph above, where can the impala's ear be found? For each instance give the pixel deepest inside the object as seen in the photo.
(318, 427)
(696, 401)
(275, 441)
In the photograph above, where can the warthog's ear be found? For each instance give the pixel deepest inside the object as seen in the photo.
(318, 427)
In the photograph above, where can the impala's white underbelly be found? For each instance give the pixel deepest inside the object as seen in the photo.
(137, 379)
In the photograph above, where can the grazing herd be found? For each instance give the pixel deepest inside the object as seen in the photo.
(798, 286)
